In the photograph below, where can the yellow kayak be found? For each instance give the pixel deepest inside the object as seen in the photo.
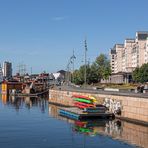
(93, 98)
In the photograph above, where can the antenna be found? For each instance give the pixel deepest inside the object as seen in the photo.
(31, 70)
(22, 69)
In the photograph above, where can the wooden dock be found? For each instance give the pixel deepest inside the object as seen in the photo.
(75, 113)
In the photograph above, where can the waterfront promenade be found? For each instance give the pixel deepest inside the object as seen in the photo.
(133, 106)
(99, 91)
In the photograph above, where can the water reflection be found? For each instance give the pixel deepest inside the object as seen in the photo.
(28, 102)
(117, 129)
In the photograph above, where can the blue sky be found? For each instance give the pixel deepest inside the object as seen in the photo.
(43, 33)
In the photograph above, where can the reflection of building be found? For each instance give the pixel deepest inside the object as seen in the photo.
(7, 70)
(1, 74)
(4, 98)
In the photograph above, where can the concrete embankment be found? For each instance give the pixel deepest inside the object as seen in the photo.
(132, 108)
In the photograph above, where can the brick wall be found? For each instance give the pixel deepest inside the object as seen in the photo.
(131, 107)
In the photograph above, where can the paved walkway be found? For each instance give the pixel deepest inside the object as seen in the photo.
(89, 90)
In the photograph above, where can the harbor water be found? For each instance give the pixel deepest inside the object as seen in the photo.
(33, 123)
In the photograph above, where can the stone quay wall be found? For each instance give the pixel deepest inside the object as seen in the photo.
(133, 108)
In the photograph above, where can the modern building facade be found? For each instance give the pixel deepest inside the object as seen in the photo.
(118, 49)
(133, 53)
(112, 59)
(124, 58)
(7, 70)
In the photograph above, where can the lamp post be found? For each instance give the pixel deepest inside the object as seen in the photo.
(68, 71)
(70, 61)
(85, 59)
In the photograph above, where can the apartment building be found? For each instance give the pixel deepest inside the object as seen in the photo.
(146, 51)
(127, 55)
(124, 58)
(116, 56)
(131, 54)
(112, 59)
(141, 46)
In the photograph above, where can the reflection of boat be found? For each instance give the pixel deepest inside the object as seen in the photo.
(82, 130)
(88, 127)
(116, 129)
(81, 127)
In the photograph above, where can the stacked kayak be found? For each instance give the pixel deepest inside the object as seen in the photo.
(83, 102)
(88, 104)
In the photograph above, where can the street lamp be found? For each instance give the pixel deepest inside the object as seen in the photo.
(70, 61)
(85, 59)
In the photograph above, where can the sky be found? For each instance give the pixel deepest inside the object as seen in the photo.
(42, 34)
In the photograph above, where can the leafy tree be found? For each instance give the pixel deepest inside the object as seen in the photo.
(82, 72)
(76, 77)
(141, 74)
(136, 74)
(103, 66)
(107, 71)
(93, 78)
(95, 72)
(144, 73)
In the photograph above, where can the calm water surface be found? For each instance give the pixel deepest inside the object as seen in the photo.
(33, 123)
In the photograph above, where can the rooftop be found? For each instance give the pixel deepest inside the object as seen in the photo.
(118, 46)
(113, 51)
(142, 35)
(130, 40)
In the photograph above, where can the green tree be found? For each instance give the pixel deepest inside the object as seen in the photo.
(136, 74)
(82, 72)
(100, 69)
(103, 66)
(141, 74)
(76, 77)
(93, 78)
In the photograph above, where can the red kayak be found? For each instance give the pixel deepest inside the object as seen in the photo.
(80, 106)
(84, 104)
(80, 96)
